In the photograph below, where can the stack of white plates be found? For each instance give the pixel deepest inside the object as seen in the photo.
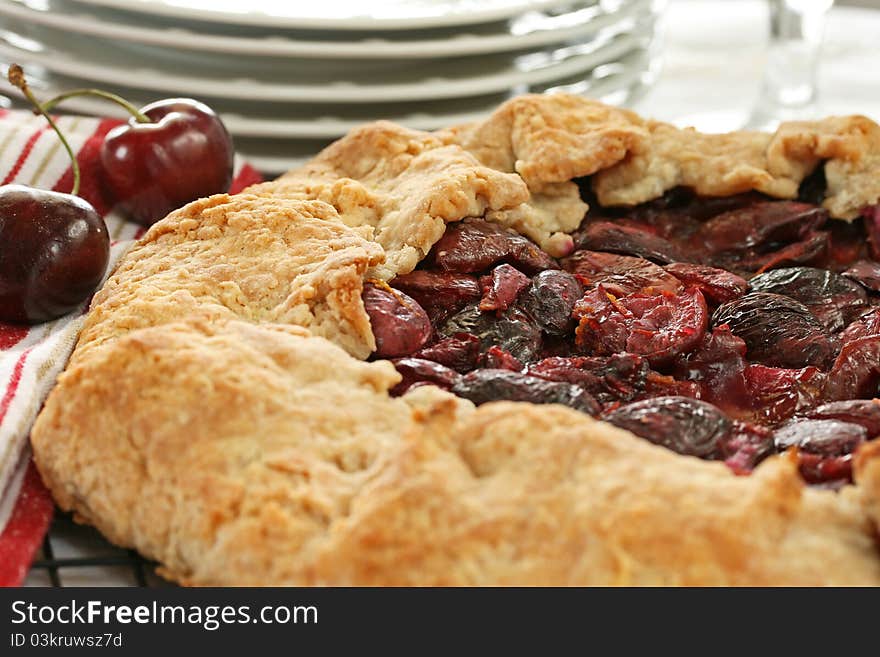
(288, 77)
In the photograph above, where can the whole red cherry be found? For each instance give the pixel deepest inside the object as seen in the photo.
(182, 154)
(54, 250)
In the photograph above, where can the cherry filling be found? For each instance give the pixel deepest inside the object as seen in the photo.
(722, 328)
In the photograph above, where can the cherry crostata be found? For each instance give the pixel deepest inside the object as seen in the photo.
(564, 345)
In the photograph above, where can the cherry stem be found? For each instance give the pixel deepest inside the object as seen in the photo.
(139, 116)
(16, 78)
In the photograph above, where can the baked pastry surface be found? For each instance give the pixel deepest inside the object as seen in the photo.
(218, 415)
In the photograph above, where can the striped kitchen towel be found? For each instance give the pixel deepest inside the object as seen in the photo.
(32, 357)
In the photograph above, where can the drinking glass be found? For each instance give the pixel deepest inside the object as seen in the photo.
(789, 90)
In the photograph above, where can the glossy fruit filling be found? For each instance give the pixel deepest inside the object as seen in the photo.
(722, 328)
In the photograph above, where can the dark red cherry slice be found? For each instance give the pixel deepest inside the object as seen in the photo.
(658, 327)
(718, 365)
(746, 446)
(866, 325)
(54, 250)
(441, 294)
(620, 274)
(153, 168)
(681, 203)
(760, 223)
(627, 240)
(502, 287)
(399, 323)
(662, 385)
(717, 285)
(475, 245)
(811, 249)
(417, 372)
(458, 352)
(864, 412)
(620, 377)
(847, 244)
(856, 371)
(775, 394)
(496, 358)
(866, 272)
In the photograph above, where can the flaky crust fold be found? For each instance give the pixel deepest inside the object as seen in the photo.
(552, 139)
(249, 257)
(405, 184)
(217, 414)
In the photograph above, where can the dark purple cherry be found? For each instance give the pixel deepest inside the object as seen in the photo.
(550, 299)
(830, 437)
(513, 331)
(180, 153)
(777, 330)
(54, 249)
(834, 299)
(825, 447)
(486, 385)
(684, 425)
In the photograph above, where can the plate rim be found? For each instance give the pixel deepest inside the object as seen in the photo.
(183, 38)
(363, 23)
(319, 127)
(63, 62)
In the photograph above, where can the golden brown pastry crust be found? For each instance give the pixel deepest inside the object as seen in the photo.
(725, 164)
(557, 138)
(404, 183)
(551, 139)
(261, 259)
(216, 416)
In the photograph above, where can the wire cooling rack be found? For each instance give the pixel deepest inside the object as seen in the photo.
(75, 555)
